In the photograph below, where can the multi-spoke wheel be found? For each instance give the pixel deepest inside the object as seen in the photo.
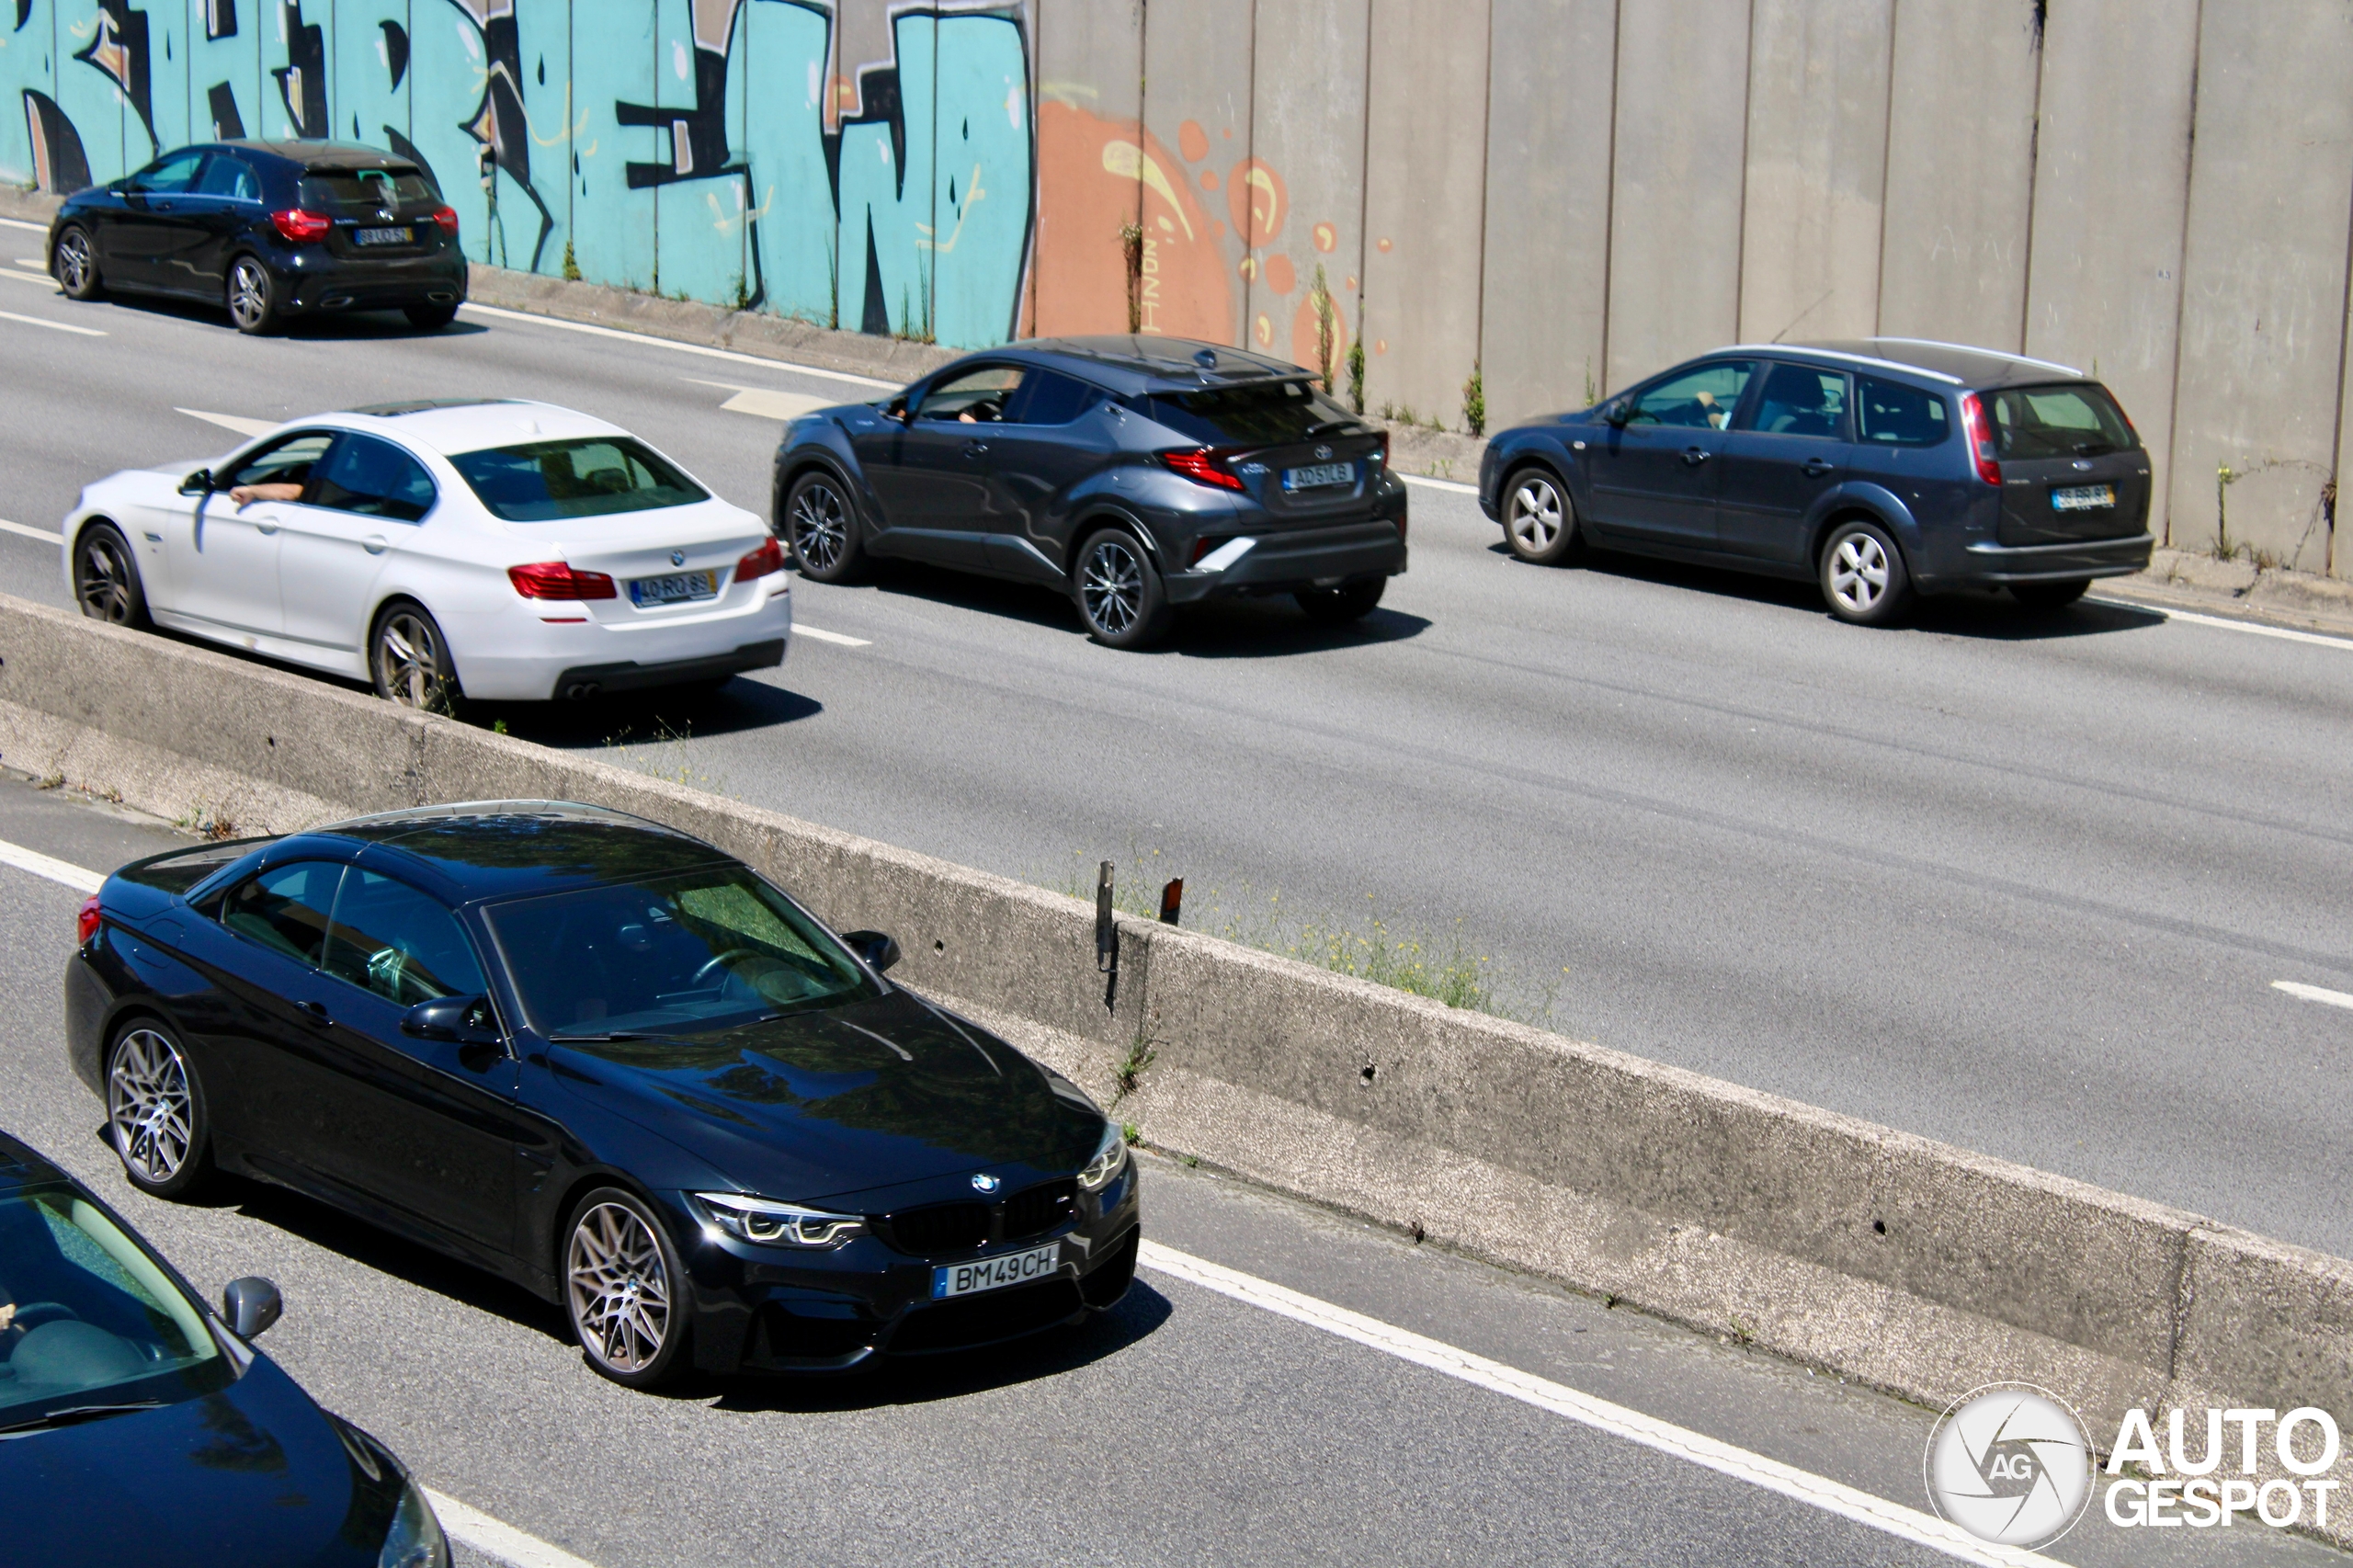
(1118, 591)
(410, 659)
(1862, 574)
(821, 530)
(75, 265)
(619, 1276)
(1538, 523)
(155, 1111)
(252, 296)
(106, 577)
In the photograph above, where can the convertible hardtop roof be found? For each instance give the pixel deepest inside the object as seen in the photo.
(21, 1167)
(478, 849)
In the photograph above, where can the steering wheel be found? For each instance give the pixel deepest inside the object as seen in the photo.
(46, 1309)
(718, 961)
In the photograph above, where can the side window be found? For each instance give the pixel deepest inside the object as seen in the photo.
(1890, 414)
(1800, 399)
(287, 460)
(168, 176)
(286, 908)
(1047, 397)
(372, 476)
(231, 177)
(392, 940)
(976, 397)
(1700, 400)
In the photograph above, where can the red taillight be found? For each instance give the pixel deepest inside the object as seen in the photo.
(554, 580)
(1203, 465)
(1979, 433)
(300, 227)
(1383, 458)
(768, 557)
(446, 218)
(86, 925)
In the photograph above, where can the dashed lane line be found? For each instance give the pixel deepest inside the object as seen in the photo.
(1835, 1497)
(1456, 485)
(2314, 993)
(40, 279)
(494, 1538)
(763, 403)
(801, 629)
(20, 223)
(80, 878)
(30, 532)
(52, 325)
(236, 422)
(696, 349)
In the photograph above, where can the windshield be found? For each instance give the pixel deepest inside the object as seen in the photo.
(589, 476)
(1263, 413)
(702, 950)
(87, 1318)
(2077, 421)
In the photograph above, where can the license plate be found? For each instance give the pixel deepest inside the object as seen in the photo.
(996, 1273)
(683, 588)
(2082, 497)
(383, 237)
(1318, 476)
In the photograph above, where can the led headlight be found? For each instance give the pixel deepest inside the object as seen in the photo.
(414, 1540)
(771, 1224)
(1110, 1159)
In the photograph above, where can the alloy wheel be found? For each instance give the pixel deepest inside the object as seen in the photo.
(149, 1109)
(248, 294)
(409, 661)
(1112, 585)
(1858, 573)
(74, 263)
(620, 1291)
(820, 527)
(103, 579)
(1534, 515)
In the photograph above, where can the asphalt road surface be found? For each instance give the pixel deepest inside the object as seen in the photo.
(2023, 885)
(1187, 1427)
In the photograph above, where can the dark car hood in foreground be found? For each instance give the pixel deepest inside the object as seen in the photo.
(253, 1476)
(819, 1104)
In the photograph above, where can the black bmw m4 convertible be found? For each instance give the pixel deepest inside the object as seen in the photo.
(610, 1063)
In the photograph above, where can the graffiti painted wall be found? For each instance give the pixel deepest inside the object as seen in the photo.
(1536, 200)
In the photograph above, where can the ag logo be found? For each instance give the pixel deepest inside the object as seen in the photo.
(2010, 1464)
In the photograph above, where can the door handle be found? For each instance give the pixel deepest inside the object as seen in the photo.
(1816, 467)
(262, 526)
(1695, 456)
(974, 449)
(314, 1013)
(374, 544)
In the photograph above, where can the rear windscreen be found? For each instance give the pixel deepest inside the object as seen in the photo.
(1263, 413)
(587, 476)
(2079, 420)
(182, 869)
(360, 191)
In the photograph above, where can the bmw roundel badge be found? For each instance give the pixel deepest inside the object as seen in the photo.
(986, 1183)
(677, 558)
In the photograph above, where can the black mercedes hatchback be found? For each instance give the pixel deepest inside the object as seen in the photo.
(609, 1062)
(137, 1425)
(1879, 468)
(270, 231)
(1136, 474)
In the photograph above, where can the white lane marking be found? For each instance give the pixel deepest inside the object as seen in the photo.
(763, 403)
(30, 531)
(494, 1538)
(34, 262)
(803, 629)
(56, 870)
(52, 325)
(2314, 993)
(42, 279)
(2229, 625)
(1456, 485)
(726, 354)
(236, 422)
(20, 223)
(1907, 1524)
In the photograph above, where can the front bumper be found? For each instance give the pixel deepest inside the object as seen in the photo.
(764, 1308)
(1992, 566)
(1286, 562)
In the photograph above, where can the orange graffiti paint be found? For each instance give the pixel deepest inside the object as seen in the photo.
(1264, 331)
(1303, 338)
(1384, 244)
(1192, 142)
(1092, 173)
(1209, 179)
(1327, 237)
(1256, 202)
(1278, 274)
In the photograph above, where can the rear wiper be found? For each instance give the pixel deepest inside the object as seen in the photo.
(2093, 448)
(74, 1415)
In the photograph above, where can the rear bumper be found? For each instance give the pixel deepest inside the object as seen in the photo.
(318, 281)
(1990, 564)
(1287, 563)
(592, 680)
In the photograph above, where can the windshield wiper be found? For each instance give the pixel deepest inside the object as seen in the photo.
(604, 1036)
(74, 1415)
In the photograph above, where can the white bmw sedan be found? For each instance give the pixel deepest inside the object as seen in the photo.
(493, 550)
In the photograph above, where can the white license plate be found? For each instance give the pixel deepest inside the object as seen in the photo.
(683, 588)
(996, 1273)
(383, 237)
(2082, 497)
(1318, 476)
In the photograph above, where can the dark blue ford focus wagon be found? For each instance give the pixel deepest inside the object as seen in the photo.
(1882, 468)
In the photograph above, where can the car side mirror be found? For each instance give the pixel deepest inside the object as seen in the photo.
(462, 1020)
(1617, 414)
(250, 1305)
(899, 409)
(879, 949)
(198, 483)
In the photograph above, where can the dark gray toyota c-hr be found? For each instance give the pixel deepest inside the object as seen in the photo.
(1878, 468)
(1135, 473)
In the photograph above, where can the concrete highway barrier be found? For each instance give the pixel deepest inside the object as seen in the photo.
(1912, 1266)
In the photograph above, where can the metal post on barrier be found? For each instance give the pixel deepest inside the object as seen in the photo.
(1172, 901)
(1107, 937)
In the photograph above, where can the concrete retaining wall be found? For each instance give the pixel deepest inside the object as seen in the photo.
(1912, 1265)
